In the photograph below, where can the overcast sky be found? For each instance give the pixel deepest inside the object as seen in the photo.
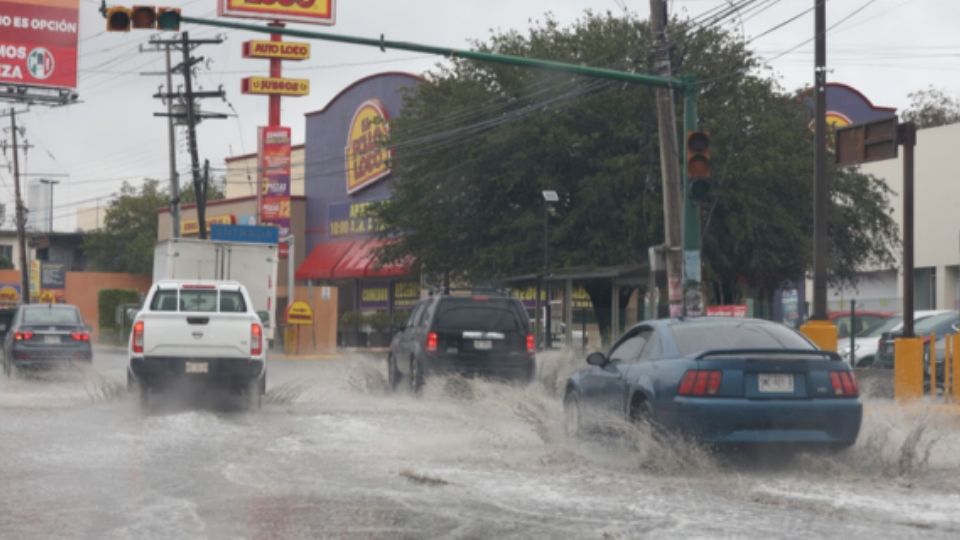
(885, 48)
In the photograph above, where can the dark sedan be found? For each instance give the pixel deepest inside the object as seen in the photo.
(719, 381)
(45, 335)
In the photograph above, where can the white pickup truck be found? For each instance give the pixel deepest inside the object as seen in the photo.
(203, 332)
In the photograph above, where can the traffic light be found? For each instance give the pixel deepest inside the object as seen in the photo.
(122, 19)
(699, 169)
(118, 19)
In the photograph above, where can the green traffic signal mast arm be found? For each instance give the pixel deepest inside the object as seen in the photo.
(383, 44)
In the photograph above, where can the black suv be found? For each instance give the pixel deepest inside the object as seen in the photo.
(483, 335)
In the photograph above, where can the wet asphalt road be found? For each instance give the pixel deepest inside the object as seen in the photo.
(331, 454)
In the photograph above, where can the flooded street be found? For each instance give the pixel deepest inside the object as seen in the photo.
(331, 454)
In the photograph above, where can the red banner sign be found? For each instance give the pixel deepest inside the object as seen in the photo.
(38, 42)
(275, 180)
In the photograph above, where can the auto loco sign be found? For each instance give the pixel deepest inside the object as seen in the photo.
(38, 42)
(301, 11)
(367, 155)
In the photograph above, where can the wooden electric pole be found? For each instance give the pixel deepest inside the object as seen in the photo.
(669, 160)
(21, 222)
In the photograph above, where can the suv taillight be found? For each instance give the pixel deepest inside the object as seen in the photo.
(433, 342)
(256, 339)
(700, 382)
(531, 343)
(137, 340)
(844, 385)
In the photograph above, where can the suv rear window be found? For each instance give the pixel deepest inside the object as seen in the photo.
(488, 315)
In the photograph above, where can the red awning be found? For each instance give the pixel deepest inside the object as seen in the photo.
(360, 262)
(324, 259)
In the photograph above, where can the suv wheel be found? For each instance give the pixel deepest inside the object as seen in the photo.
(393, 376)
(416, 376)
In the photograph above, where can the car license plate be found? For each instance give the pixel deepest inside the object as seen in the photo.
(482, 344)
(51, 339)
(195, 367)
(775, 383)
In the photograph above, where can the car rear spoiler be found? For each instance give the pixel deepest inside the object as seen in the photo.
(779, 352)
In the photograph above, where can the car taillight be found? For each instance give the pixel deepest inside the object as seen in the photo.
(23, 336)
(80, 336)
(433, 341)
(531, 343)
(137, 340)
(844, 385)
(256, 339)
(700, 382)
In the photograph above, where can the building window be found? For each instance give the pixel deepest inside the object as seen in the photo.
(6, 254)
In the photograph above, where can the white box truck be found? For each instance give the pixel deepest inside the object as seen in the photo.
(252, 264)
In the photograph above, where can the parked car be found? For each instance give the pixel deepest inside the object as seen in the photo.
(939, 323)
(476, 335)
(718, 380)
(202, 333)
(45, 335)
(861, 321)
(867, 343)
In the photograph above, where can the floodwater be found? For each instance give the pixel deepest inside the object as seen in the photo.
(332, 454)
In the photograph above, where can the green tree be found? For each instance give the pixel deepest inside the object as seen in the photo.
(125, 242)
(478, 143)
(932, 107)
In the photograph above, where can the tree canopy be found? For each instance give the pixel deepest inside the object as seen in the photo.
(932, 107)
(126, 240)
(477, 144)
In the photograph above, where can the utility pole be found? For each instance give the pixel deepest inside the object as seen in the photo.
(819, 329)
(172, 140)
(21, 238)
(191, 116)
(50, 183)
(669, 160)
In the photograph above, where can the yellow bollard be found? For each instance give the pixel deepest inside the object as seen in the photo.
(954, 371)
(932, 357)
(821, 333)
(948, 366)
(908, 368)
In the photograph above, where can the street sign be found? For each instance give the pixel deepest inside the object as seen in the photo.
(299, 312)
(260, 234)
(873, 141)
(284, 50)
(275, 86)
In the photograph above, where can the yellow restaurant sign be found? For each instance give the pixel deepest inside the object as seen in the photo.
(285, 50)
(192, 226)
(367, 156)
(299, 312)
(302, 11)
(275, 86)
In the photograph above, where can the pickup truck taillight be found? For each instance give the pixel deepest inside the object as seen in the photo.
(137, 339)
(256, 339)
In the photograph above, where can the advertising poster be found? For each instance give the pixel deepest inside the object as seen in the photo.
(301, 11)
(38, 42)
(275, 181)
(9, 294)
(374, 296)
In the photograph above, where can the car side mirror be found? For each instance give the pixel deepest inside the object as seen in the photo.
(597, 359)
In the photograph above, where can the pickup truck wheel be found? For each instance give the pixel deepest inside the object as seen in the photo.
(254, 393)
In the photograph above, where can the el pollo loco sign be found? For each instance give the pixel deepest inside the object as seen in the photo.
(303, 11)
(367, 155)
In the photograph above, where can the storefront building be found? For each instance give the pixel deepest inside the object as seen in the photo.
(347, 168)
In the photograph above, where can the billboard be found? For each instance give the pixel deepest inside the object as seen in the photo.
(275, 180)
(284, 50)
(301, 11)
(38, 42)
(275, 86)
(367, 154)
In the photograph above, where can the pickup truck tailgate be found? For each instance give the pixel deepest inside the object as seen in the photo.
(197, 335)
